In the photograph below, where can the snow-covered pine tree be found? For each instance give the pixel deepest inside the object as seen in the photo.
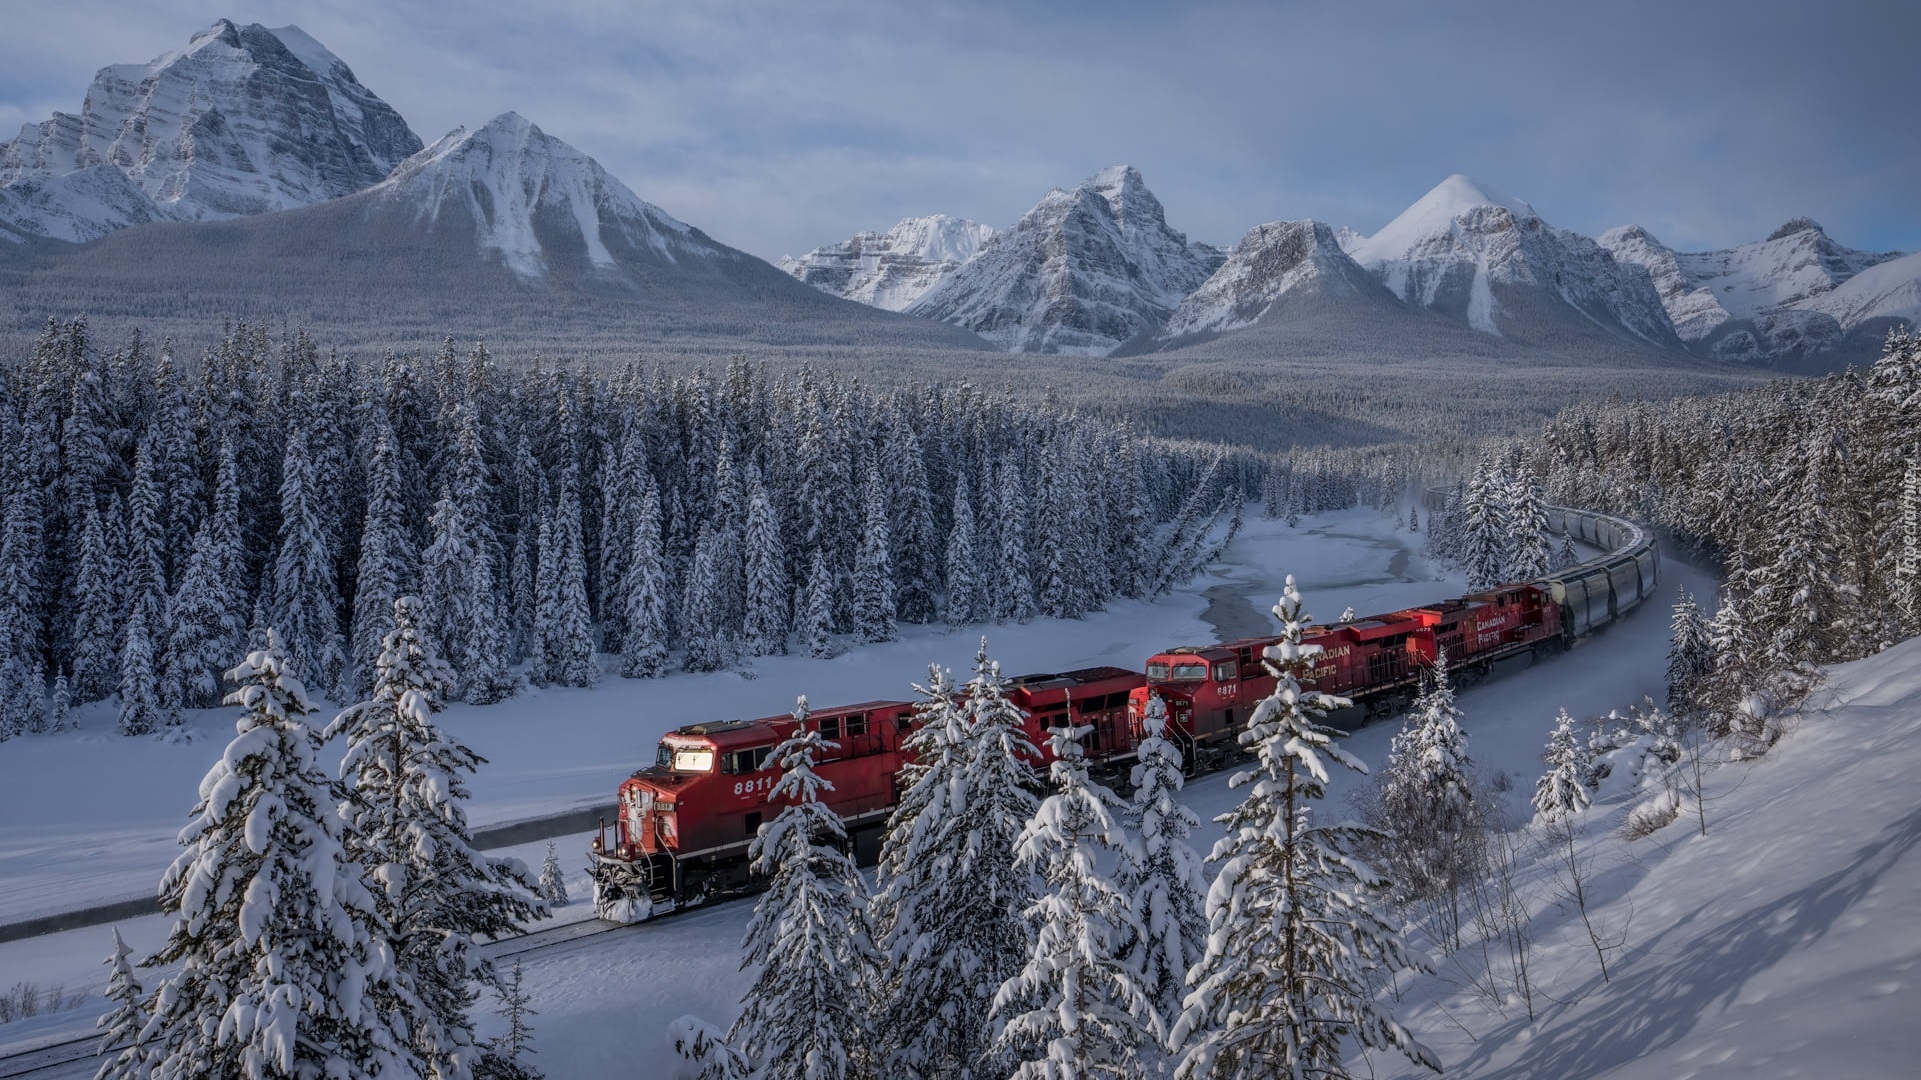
(140, 712)
(22, 566)
(306, 603)
(1690, 660)
(1566, 556)
(644, 648)
(444, 583)
(1485, 551)
(1013, 597)
(60, 706)
(1414, 519)
(146, 571)
(553, 880)
(1907, 570)
(1163, 874)
(96, 609)
(978, 939)
(570, 628)
(203, 636)
(407, 784)
(1563, 789)
(1296, 949)
(764, 630)
(1079, 1007)
(873, 568)
(916, 539)
(1423, 805)
(704, 1053)
(963, 568)
(805, 1017)
(704, 639)
(817, 610)
(379, 578)
(285, 969)
(1530, 554)
(500, 1057)
(122, 1025)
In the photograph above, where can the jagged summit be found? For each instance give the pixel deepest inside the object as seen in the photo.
(240, 121)
(893, 269)
(1082, 272)
(1436, 212)
(524, 189)
(1280, 263)
(1796, 225)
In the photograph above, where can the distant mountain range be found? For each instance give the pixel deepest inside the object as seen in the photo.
(251, 174)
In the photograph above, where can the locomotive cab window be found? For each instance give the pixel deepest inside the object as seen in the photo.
(746, 761)
(1157, 671)
(830, 727)
(1191, 672)
(1226, 671)
(855, 724)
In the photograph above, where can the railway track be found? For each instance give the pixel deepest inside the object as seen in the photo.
(75, 1056)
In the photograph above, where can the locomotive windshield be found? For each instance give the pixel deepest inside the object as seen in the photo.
(1157, 671)
(1194, 671)
(685, 758)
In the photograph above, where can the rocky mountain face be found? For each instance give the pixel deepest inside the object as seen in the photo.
(244, 120)
(1284, 263)
(1773, 298)
(1471, 252)
(890, 270)
(1080, 273)
(530, 197)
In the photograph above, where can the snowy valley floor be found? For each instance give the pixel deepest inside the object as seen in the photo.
(1780, 944)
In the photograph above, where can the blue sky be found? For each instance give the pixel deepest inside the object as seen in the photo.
(780, 126)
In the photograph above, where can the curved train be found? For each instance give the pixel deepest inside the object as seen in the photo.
(683, 824)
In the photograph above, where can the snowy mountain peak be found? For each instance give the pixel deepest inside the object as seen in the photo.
(524, 190)
(1082, 272)
(893, 269)
(1436, 213)
(1797, 225)
(240, 121)
(1299, 260)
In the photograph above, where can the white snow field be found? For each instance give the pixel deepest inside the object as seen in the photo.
(1780, 944)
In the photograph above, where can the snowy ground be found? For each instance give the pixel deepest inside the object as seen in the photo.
(1779, 943)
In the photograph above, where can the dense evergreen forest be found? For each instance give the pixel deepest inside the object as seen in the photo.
(161, 509)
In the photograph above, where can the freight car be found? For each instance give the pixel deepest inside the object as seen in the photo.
(683, 825)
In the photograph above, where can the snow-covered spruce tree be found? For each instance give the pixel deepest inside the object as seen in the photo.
(704, 1053)
(873, 569)
(1079, 1007)
(553, 880)
(122, 1025)
(285, 969)
(204, 635)
(306, 604)
(1013, 597)
(438, 894)
(1423, 807)
(1531, 555)
(1163, 874)
(764, 630)
(139, 685)
(805, 1017)
(1296, 948)
(96, 610)
(570, 629)
(384, 561)
(444, 586)
(817, 610)
(644, 646)
(700, 618)
(963, 568)
(1690, 660)
(1566, 556)
(1486, 529)
(146, 571)
(916, 540)
(1563, 789)
(1907, 572)
(22, 568)
(60, 706)
(951, 894)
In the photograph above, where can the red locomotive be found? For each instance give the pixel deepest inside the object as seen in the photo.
(683, 824)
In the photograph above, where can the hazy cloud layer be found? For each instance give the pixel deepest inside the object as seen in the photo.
(780, 126)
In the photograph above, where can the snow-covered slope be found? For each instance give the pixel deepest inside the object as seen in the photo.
(1470, 251)
(524, 191)
(244, 120)
(1297, 261)
(892, 269)
(1772, 298)
(1082, 272)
